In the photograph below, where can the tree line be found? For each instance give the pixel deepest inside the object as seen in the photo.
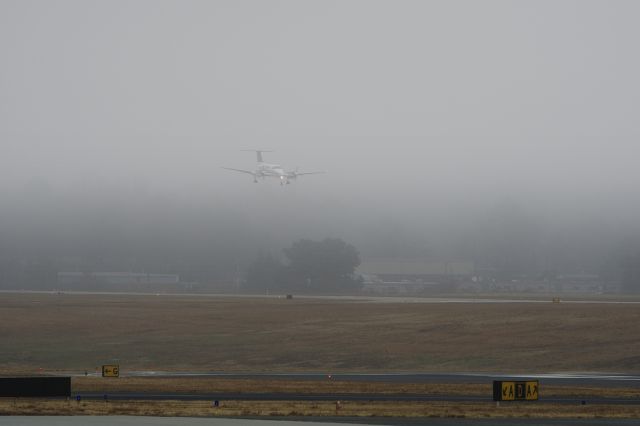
(308, 267)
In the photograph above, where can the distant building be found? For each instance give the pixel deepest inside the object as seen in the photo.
(415, 269)
(412, 276)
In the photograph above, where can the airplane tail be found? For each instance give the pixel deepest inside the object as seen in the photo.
(258, 153)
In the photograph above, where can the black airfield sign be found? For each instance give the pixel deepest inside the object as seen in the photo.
(41, 387)
(515, 390)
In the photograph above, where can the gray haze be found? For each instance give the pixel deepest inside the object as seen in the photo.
(449, 129)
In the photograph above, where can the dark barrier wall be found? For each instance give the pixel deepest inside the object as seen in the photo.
(35, 386)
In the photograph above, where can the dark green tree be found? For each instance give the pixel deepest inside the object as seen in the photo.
(326, 266)
(265, 274)
(323, 266)
(630, 279)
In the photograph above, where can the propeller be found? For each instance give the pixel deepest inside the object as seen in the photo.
(293, 173)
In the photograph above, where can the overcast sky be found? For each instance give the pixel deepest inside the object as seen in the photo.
(404, 103)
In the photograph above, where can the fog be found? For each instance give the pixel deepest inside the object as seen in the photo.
(494, 132)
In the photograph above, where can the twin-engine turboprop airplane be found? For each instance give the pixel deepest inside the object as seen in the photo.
(265, 170)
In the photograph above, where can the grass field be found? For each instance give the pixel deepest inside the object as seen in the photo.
(44, 332)
(315, 408)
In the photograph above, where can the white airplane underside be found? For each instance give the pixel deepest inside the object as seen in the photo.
(266, 170)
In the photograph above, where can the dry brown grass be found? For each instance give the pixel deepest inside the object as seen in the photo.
(217, 385)
(311, 408)
(77, 332)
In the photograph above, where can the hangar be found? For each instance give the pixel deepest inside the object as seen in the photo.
(412, 276)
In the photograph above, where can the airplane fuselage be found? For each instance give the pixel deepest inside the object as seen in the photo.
(270, 170)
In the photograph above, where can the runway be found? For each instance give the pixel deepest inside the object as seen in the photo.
(482, 299)
(345, 397)
(563, 379)
(574, 379)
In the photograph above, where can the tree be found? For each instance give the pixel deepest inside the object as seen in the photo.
(631, 274)
(323, 266)
(312, 266)
(264, 274)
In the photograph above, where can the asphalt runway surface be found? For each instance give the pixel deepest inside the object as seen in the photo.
(560, 379)
(582, 380)
(356, 298)
(353, 397)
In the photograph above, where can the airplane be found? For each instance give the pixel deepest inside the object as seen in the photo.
(264, 170)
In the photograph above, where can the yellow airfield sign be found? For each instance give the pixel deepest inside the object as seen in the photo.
(110, 371)
(508, 391)
(531, 390)
(515, 390)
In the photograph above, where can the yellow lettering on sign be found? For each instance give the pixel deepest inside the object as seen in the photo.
(532, 391)
(110, 371)
(508, 391)
(520, 390)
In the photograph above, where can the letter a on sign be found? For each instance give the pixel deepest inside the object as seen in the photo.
(508, 391)
(532, 391)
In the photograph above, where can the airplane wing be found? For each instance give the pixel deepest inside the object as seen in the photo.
(241, 171)
(308, 173)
